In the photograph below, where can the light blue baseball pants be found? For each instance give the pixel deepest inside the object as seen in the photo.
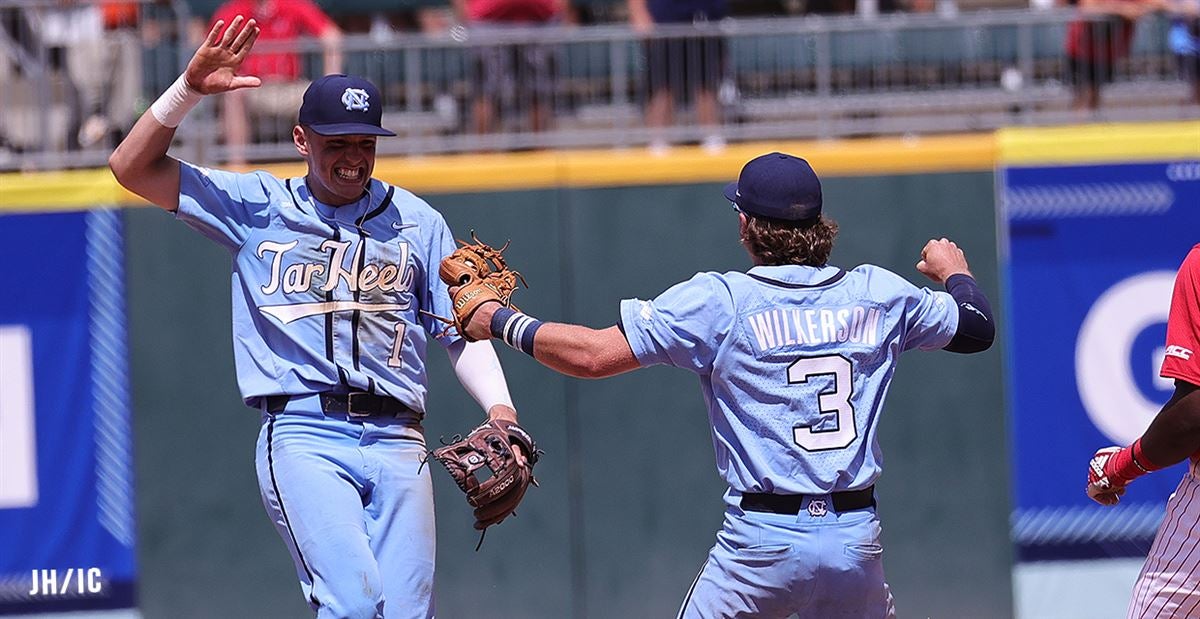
(355, 509)
(774, 565)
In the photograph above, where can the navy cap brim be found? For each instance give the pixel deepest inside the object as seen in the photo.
(350, 129)
(731, 192)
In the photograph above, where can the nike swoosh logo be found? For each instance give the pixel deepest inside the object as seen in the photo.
(290, 313)
(399, 226)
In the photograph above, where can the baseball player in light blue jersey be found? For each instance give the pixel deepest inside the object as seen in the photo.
(794, 358)
(330, 273)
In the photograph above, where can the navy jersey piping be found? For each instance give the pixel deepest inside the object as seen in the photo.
(287, 182)
(387, 201)
(774, 282)
(328, 294)
(337, 236)
(279, 497)
(356, 315)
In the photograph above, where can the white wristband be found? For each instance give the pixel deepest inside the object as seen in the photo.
(175, 103)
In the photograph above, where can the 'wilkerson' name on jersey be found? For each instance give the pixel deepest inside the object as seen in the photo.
(781, 327)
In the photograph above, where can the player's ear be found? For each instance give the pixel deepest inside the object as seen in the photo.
(300, 140)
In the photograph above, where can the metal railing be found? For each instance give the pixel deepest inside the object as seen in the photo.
(73, 79)
(473, 89)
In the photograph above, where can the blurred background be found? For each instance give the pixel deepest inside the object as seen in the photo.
(1058, 144)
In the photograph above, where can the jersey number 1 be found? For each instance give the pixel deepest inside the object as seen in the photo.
(837, 400)
(396, 360)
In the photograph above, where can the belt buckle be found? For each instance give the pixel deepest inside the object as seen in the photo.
(350, 410)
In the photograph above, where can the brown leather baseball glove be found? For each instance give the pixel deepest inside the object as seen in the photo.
(481, 275)
(496, 492)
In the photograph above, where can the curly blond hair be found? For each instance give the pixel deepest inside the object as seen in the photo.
(776, 242)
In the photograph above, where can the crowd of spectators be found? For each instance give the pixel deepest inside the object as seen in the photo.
(79, 53)
(88, 53)
(1103, 35)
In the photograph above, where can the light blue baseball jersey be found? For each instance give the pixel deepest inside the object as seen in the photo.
(794, 363)
(324, 298)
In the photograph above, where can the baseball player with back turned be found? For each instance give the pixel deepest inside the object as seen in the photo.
(1169, 585)
(794, 358)
(330, 272)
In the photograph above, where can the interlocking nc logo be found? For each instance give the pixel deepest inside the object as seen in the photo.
(356, 99)
(817, 508)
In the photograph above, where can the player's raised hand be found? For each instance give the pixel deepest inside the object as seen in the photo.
(213, 69)
(940, 259)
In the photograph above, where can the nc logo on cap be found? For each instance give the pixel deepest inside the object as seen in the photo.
(356, 99)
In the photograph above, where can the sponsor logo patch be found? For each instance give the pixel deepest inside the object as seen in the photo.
(972, 308)
(466, 298)
(1179, 351)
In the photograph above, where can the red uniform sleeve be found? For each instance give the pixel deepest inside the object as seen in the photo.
(1183, 325)
(311, 18)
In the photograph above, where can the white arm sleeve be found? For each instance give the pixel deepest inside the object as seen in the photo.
(479, 371)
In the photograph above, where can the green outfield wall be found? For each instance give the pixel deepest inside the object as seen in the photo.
(630, 499)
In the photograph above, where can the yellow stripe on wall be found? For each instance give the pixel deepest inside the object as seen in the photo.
(635, 166)
(549, 169)
(71, 190)
(64, 190)
(1114, 143)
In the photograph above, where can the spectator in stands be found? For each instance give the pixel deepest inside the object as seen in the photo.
(123, 89)
(677, 64)
(518, 74)
(17, 60)
(75, 64)
(283, 82)
(1184, 41)
(1096, 41)
(65, 39)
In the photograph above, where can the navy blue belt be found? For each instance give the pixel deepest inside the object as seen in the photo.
(791, 503)
(353, 404)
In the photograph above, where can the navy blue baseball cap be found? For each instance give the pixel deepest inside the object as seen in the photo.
(343, 105)
(777, 186)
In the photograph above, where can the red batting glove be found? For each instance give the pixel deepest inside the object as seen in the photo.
(1112, 468)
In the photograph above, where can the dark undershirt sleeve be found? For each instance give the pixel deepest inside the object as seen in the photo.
(976, 326)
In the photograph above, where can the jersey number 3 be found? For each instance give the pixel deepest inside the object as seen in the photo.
(835, 401)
